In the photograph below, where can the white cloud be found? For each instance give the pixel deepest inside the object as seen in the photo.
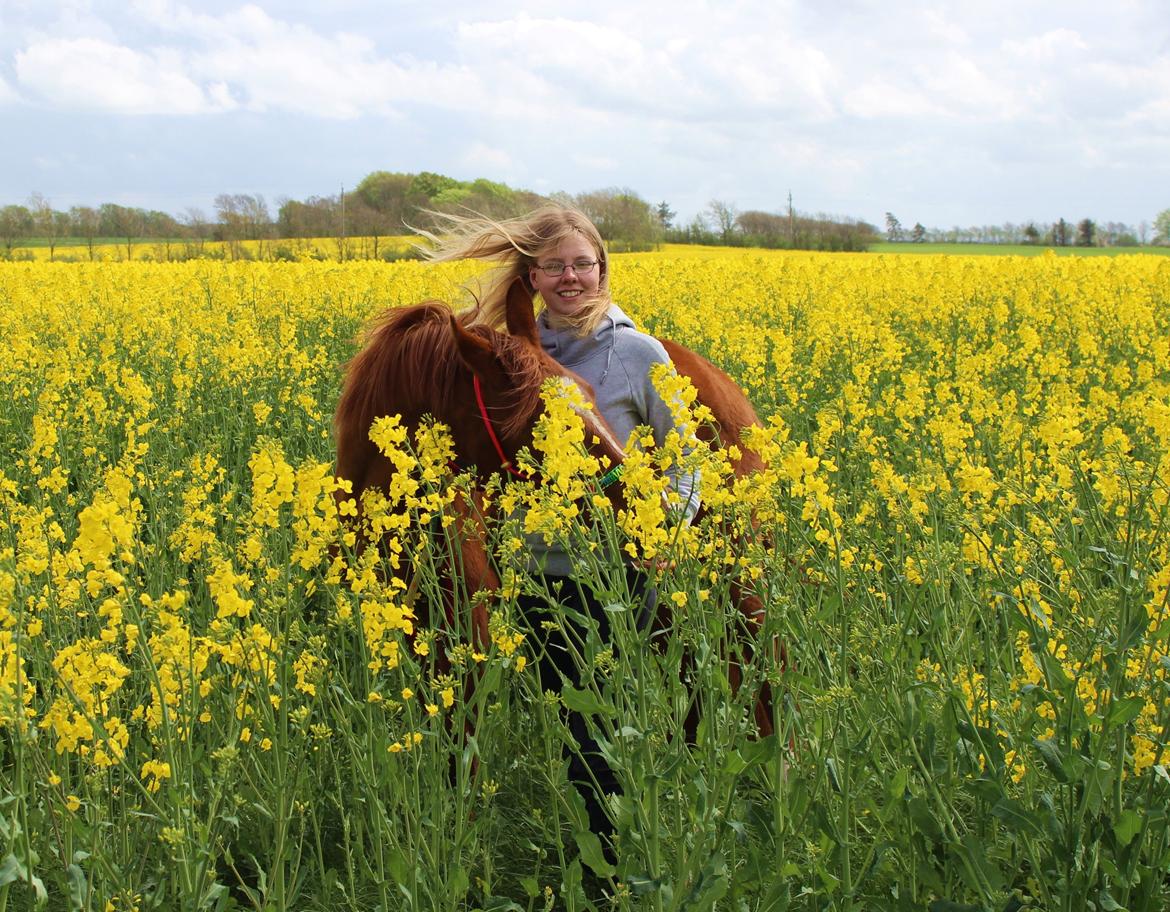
(91, 73)
(1046, 48)
(488, 158)
(7, 93)
(879, 99)
(244, 58)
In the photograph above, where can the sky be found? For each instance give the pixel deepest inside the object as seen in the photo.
(944, 113)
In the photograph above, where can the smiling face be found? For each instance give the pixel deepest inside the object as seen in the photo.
(566, 294)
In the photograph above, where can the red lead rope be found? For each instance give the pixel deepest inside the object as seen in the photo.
(487, 423)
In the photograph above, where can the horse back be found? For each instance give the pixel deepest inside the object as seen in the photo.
(731, 409)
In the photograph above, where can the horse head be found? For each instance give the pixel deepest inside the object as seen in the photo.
(507, 369)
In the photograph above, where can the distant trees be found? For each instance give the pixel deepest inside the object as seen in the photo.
(86, 222)
(1162, 227)
(1059, 234)
(665, 215)
(242, 217)
(388, 203)
(1086, 232)
(624, 219)
(789, 230)
(723, 215)
(15, 225)
(893, 228)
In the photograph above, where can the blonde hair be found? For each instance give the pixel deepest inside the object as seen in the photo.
(514, 245)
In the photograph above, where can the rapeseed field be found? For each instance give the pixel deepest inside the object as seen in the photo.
(211, 699)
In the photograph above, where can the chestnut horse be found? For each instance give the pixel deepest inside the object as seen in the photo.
(485, 386)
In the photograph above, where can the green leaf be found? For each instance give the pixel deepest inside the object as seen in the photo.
(457, 883)
(897, 787)
(589, 845)
(1127, 826)
(763, 750)
(641, 885)
(1124, 711)
(398, 866)
(11, 870)
(1052, 758)
(213, 895)
(77, 886)
(1107, 903)
(585, 702)
(531, 886)
(1017, 817)
(501, 904)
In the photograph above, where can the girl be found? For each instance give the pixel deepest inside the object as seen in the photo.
(559, 254)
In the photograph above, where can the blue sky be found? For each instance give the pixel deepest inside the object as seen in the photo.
(944, 113)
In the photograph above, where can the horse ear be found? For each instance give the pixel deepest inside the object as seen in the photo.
(473, 351)
(518, 313)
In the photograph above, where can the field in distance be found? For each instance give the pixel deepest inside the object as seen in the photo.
(1010, 249)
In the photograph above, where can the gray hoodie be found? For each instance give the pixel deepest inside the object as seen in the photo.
(615, 360)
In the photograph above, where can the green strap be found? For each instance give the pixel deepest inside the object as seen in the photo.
(611, 476)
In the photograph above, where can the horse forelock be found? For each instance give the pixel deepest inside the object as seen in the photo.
(410, 365)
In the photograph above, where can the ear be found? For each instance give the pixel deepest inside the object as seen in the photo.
(473, 351)
(518, 313)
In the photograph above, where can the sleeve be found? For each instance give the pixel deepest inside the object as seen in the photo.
(658, 416)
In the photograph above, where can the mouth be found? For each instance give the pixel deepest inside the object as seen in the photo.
(569, 293)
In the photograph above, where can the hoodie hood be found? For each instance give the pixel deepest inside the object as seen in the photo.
(574, 352)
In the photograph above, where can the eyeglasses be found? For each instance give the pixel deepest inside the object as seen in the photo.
(580, 267)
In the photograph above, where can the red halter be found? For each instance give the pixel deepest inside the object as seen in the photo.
(487, 423)
(609, 478)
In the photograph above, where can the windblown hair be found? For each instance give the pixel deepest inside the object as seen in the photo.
(409, 365)
(514, 245)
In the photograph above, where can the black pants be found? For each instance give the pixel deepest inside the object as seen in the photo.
(587, 765)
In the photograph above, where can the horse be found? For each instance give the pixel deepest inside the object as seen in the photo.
(485, 386)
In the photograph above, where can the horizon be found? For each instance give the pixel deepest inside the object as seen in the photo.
(941, 115)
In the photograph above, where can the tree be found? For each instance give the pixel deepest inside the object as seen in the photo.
(15, 225)
(918, 235)
(124, 222)
(196, 228)
(893, 228)
(86, 223)
(764, 229)
(386, 192)
(46, 222)
(665, 215)
(1086, 232)
(723, 215)
(1060, 234)
(624, 219)
(1162, 227)
(1031, 234)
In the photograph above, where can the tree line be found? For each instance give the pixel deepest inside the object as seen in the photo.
(386, 204)
(1061, 233)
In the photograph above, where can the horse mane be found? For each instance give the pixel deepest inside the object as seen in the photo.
(409, 365)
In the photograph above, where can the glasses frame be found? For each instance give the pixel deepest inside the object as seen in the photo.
(556, 269)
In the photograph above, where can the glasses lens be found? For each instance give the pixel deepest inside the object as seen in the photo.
(553, 269)
(582, 267)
